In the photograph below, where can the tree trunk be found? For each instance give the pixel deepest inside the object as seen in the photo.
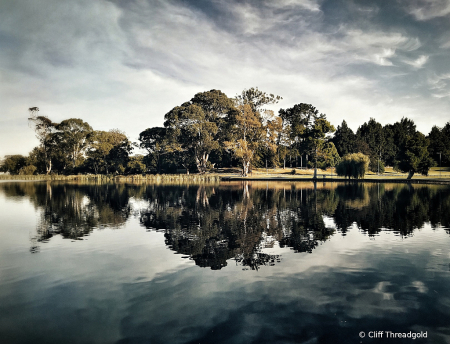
(245, 166)
(411, 173)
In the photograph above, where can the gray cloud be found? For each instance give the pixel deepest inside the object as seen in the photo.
(125, 64)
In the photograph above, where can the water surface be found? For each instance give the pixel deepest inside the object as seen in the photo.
(251, 262)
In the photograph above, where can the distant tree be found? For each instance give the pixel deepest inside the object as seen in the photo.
(155, 141)
(344, 139)
(136, 165)
(327, 156)
(44, 128)
(315, 135)
(248, 133)
(73, 137)
(193, 132)
(219, 109)
(256, 99)
(373, 134)
(414, 157)
(439, 147)
(28, 170)
(272, 128)
(109, 151)
(13, 163)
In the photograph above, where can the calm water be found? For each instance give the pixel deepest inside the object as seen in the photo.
(231, 263)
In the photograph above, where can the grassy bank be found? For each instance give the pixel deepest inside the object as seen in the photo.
(436, 175)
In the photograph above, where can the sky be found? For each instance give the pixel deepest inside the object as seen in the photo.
(125, 64)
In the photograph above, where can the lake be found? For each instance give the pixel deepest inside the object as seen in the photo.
(235, 262)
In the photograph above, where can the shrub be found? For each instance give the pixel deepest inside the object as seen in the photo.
(28, 170)
(353, 165)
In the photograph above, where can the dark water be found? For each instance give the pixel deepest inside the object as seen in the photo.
(231, 263)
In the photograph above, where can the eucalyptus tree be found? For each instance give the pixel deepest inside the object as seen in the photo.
(219, 109)
(248, 127)
(193, 132)
(44, 129)
(155, 142)
(109, 151)
(73, 137)
(296, 120)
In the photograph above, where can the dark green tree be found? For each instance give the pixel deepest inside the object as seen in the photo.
(344, 139)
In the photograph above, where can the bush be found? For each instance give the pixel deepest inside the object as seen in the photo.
(353, 165)
(28, 170)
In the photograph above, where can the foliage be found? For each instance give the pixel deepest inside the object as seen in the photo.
(28, 170)
(344, 139)
(439, 147)
(327, 156)
(73, 137)
(414, 156)
(136, 165)
(353, 165)
(13, 163)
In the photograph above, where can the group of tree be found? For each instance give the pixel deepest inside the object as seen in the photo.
(72, 146)
(213, 130)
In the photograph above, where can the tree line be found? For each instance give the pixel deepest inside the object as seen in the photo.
(212, 130)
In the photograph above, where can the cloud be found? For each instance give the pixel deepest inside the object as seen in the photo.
(125, 64)
(419, 62)
(428, 9)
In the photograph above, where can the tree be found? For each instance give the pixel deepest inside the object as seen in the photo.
(414, 156)
(73, 137)
(272, 129)
(353, 165)
(373, 134)
(13, 163)
(308, 128)
(193, 132)
(344, 139)
(108, 151)
(327, 156)
(136, 165)
(256, 99)
(247, 134)
(314, 136)
(44, 128)
(439, 147)
(155, 141)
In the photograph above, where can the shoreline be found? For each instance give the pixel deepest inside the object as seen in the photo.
(224, 177)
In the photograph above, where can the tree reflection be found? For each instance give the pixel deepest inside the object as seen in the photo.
(238, 221)
(243, 221)
(73, 210)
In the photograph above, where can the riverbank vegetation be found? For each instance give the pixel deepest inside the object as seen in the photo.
(214, 131)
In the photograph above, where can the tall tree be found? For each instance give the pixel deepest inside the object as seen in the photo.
(73, 136)
(373, 134)
(109, 151)
(413, 156)
(315, 136)
(298, 118)
(247, 136)
(155, 141)
(44, 128)
(344, 139)
(439, 147)
(248, 130)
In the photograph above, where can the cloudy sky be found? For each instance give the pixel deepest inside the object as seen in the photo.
(124, 64)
